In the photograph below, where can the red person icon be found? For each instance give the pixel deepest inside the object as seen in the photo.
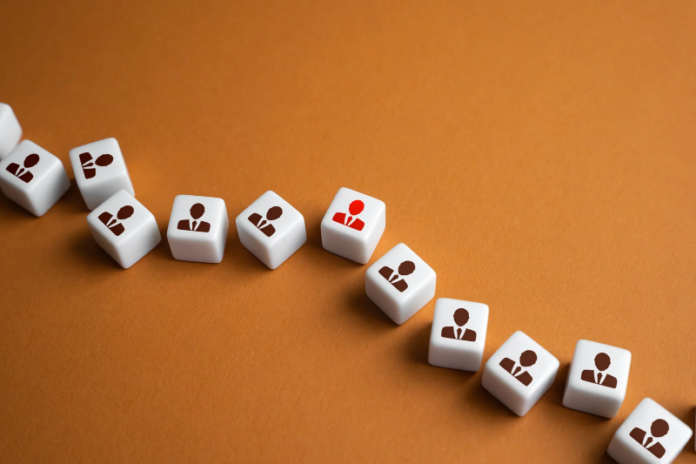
(351, 221)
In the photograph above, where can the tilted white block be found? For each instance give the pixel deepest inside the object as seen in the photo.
(100, 171)
(597, 378)
(124, 228)
(10, 130)
(353, 225)
(649, 435)
(400, 283)
(198, 229)
(271, 229)
(519, 373)
(458, 335)
(33, 178)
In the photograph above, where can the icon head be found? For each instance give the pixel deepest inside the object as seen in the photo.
(356, 207)
(197, 211)
(274, 213)
(659, 428)
(104, 160)
(406, 268)
(125, 212)
(528, 358)
(602, 361)
(461, 317)
(31, 160)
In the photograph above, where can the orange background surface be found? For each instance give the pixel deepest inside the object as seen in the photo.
(540, 156)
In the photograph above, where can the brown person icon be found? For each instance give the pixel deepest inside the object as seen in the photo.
(197, 211)
(264, 225)
(114, 224)
(23, 173)
(602, 362)
(89, 168)
(527, 359)
(658, 429)
(405, 268)
(461, 317)
(350, 220)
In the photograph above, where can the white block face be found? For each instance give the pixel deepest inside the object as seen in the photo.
(124, 228)
(10, 130)
(33, 178)
(353, 225)
(100, 171)
(458, 336)
(650, 435)
(597, 378)
(271, 229)
(519, 373)
(198, 229)
(400, 283)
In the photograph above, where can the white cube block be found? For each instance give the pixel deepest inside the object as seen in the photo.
(271, 229)
(458, 335)
(650, 435)
(198, 229)
(10, 130)
(33, 178)
(100, 171)
(519, 373)
(124, 228)
(400, 283)
(597, 378)
(353, 225)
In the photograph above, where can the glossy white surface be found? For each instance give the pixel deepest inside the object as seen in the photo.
(100, 171)
(458, 334)
(198, 229)
(513, 380)
(124, 228)
(33, 178)
(400, 289)
(597, 378)
(10, 130)
(649, 435)
(271, 229)
(353, 225)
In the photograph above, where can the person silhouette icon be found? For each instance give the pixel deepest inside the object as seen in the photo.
(196, 211)
(602, 362)
(89, 168)
(405, 268)
(658, 429)
(23, 173)
(527, 359)
(355, 208)
(264, 225)
(113, 223)
(461, 317)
